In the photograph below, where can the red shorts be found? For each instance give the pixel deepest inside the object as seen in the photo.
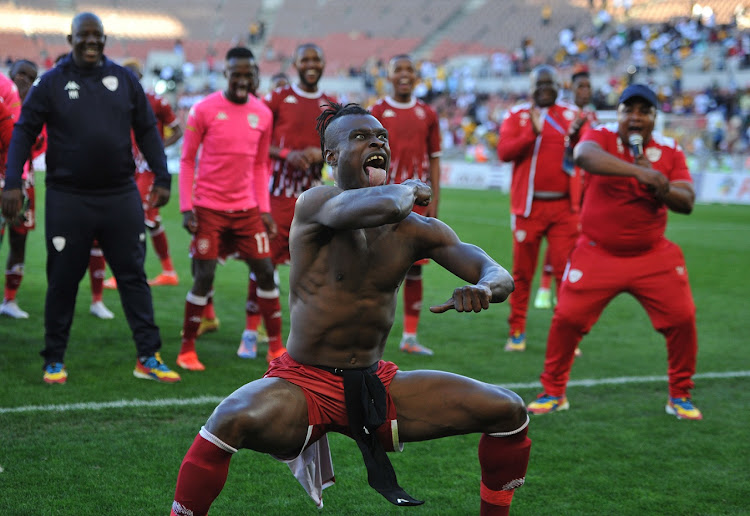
(324, 391)
(282, 211)
(222, 233)
(145, 182)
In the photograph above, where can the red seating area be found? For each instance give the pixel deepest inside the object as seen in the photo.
(349, 31)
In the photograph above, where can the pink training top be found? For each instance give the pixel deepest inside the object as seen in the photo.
(233, 168)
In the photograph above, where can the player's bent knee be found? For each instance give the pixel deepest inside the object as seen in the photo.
(510, 414)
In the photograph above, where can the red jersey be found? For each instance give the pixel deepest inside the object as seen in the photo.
(413, 136)
(165, 117)
(618, 212)
(9, 96)
(294, 113)
(537, 159)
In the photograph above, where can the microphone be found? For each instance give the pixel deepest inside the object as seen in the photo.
(636, 145)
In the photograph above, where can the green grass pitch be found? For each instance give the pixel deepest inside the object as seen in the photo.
(614, 453)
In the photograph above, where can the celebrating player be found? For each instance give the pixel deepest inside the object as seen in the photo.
(351, 246)
(225, 199)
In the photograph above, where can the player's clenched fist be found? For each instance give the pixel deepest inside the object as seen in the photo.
(422, 192)
(469, 298)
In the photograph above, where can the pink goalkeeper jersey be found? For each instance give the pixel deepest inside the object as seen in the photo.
(233, 166)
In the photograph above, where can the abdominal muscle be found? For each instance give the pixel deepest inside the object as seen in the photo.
(341, 329)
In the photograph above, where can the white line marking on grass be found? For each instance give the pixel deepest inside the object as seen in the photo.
(205, 400)
(167, 402)
(626, 379)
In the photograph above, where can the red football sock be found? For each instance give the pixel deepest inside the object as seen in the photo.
(503, 461)
(97, 270)
(270, 309)
(208, 311)
(201, 478)
(252, 312)
(13, 278)
(546, 280)
(412, 304)
(194, 306)
(161, 246)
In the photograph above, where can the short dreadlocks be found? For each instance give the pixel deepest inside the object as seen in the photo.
(331, 113)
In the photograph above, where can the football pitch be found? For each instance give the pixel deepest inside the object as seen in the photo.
(108, 443)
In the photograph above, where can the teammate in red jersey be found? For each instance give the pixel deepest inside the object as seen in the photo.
(144, 178)
(636, 176)
(545, 199)
(11, 110)
(224, 198)
(414, 134)
(296, 162)
(279, 80)
(581, 86)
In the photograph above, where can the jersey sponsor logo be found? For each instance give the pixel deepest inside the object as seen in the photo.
(520, 235)
(574, 275)
(253, 120)
(653, 154)
(110, 82)
(419, 112)
(221, 116)
(389, 113)
(290, 99)
(568, 115)
(58, 243)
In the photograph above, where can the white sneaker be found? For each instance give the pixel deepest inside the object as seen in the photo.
(10, 308)
(102, 312)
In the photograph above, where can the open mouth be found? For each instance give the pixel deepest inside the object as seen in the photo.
(376, 161)
(375, 169)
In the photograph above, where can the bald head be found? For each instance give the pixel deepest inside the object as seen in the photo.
(543, 85)
(87, 40)
(85, 17)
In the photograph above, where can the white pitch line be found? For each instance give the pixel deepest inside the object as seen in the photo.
(214, 400)
(626, 379)
(166, 402)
